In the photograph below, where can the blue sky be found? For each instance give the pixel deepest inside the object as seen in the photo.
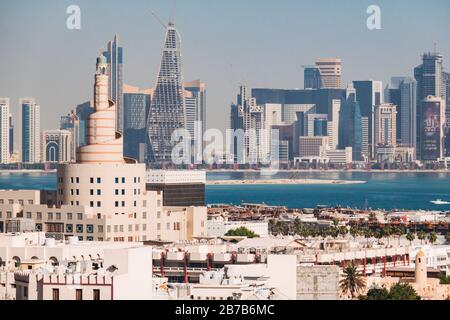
(261, 43)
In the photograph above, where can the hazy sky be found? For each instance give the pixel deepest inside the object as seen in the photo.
(261, 43)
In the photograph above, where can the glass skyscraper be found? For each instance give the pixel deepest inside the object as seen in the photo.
(114, 58)
(167, 112)
(31, 144)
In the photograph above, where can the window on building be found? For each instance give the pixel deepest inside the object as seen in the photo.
(136, 227)
(135, 203)
(78, 180)
(29, 215)
(121, 228)
(92, 192)
(158, 226)
(92, 180)
(117, 180)
(71, 179)
(55, 294)
(79, 294)
(50, 216)
(116, 228)
(25, 292)
(96, 294)
(79, 216)
(99, 180)
(99, 192)
(144, 215)
(31, 201)
(108, 228)
(159, 203)
(117, 192)
(123, 203)
(117, 204)
(78, 192)
(99, 204)
(123, 192)
(100, 229)
(144, 203)
(39, 215)
(58, 216)
(92, 204)
(130, 228)
(69, 216)
(144, 227)
(123, 180)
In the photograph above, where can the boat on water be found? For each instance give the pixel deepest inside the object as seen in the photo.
(439, 202)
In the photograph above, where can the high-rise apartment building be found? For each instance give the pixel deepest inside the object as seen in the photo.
(114, 58)
(431, 128)
(31, 131)
(385, 125)
(4, 131)
(11, 136)
(167, 112)
(369, 94)
(330, 73)
(351, 130)
(56, 146)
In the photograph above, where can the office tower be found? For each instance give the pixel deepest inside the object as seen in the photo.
(333, 123)
(330, 73)
(402, 93)
(312, 78)
(114, 58)
(365, 147)
(4, 131)
(83, 111)
(195, 99)
(56, 146)
(351, 128)
(369, 94)
(446, 83)
(311, 119)
(71, 123)
(167, 112)
(429, 77)
(31, 131)
(136, 107)
(11, 136)
(431, 128)
(320, 127)
(385, 125)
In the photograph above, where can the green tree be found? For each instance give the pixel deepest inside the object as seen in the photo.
(387, 232)
(411, 236)
(403, 291)
(353, 282)
(421, 235)
(376, 294)
(354, 231)
(242, 232)
(432, 237)
(444, 278)
(368, 234)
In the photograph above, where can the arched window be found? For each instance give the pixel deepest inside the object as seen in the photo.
(16, 261)
(53, 261)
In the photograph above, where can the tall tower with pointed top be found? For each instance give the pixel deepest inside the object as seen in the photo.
(167, 112)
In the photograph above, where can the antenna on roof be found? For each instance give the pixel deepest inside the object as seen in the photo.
(435, 48)
(174, 10)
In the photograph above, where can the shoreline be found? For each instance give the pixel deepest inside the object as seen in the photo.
(282, 182)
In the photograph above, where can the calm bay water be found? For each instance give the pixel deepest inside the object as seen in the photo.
(383, 190)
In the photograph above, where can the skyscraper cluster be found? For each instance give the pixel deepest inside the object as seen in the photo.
(405, 121)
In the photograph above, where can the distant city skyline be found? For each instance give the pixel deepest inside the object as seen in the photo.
(45, 60)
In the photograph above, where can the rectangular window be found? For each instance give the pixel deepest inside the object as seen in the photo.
(99, 180)
(144, 203)
(78, 192)
(123, 203)
(25, 292)
(31, 201)
(99, 192)
(99, 204)
(79, 216)
(123, 180)
(158, 226)
(50, 216)
(39, 215)
(79, 294)
(121, 228)
(92, 192)
(55, 294)
(123, 192)
(92, 180)
(28, 215)
(130, 228)
(117, 180)
(117, 192)
(69, 216)
(96, 294)
(144, 215)
(78, 180)
(58, 216)
(158, 215)
(92, 204)
(144, 227)
(116, 228)
(117, 204)
(100, 229)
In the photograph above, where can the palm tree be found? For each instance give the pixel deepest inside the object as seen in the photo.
(432, 237)
(353, 282)
(422, 236)
(368, 234)
(410, 237)
(354, 231)
(387, 232)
